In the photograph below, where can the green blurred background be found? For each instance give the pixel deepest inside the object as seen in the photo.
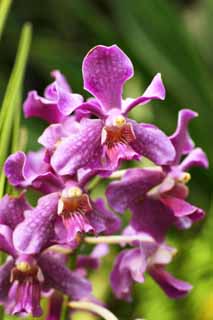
(171, 37)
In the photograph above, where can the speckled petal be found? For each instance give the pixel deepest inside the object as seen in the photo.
(181, 139)
(174, 288)
(105, 70)
(132, 188)
(12, 210)
(152, 143)
(36, 231)
(80, 150)
(155, 90)
(59, 277)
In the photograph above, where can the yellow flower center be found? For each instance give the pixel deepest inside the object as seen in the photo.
(23, 266)
(185, 177)
(119, 121)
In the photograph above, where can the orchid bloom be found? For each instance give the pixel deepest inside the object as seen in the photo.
(156, 196)
(103, 142)
(145, 257)
(23, 277)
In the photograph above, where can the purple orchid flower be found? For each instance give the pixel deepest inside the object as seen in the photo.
(131, 264)
(157, 196)
(31, 170)
(58, 101)
(23, 277)
(60, 217)
(102, 143)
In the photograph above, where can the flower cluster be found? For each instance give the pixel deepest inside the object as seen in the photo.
(85, 140)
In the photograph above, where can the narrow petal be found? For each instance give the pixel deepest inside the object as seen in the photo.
(36, 231)
(185, 213)
(5, 284)
(174, 288)
(152, 143)
(80, 150)
(59, 277)
(105, 70)
(12, 210)
(196, 158)
(152, 217)
(181, 139)
(132, 188)
(155, 90)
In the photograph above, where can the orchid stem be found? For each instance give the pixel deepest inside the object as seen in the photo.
(92, 307)
(118, 239)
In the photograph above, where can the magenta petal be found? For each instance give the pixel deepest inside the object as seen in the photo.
(53, 134)
(102, 219)
(36, 231)
(185, 213)
(59, 277)
(61, 81)
(79, 150)
(178, 206)
(129, 266)
(155, 90)
(57, 103)
(55, 306)
(181, 139)
(31, 171)
(24, 298)
(152, 217)
(174, 288)
(67, 232)
(12, 210)
(5, 283)
(6, 242)
(133, 187)
(152, 143)
(105, 70)
(196, 158)
(36, 106)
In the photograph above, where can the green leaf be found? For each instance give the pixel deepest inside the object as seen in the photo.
(9, 112)
(4, 10)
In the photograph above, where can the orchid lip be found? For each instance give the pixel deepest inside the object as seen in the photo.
(73, 200)
(118, 134)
